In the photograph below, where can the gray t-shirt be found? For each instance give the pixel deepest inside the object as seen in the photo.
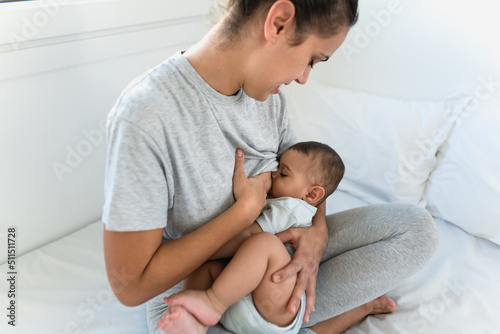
(171, 145)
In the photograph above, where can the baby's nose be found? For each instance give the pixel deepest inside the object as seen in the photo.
(273, 175)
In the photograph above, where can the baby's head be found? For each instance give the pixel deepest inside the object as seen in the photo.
(310, 171)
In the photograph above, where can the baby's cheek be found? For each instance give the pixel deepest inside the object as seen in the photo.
(276, 189)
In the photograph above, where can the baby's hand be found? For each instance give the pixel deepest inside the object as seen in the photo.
(249, 192)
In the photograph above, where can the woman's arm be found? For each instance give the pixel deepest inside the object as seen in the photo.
(309, 244)
(140, 267)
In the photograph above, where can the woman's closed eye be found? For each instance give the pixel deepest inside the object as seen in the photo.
(312, 63)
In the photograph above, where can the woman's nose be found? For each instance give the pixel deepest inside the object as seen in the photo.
(303, 78)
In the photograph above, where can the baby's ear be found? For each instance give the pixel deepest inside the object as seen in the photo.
(315, 194)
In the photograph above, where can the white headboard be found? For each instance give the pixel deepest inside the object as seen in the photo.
(63, 64)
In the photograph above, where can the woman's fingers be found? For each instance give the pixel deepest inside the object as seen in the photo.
(250, 193)
(240, 180)
(311, 296)
(305, 264)
(306, 274)
(239, 166)
(300, 287)
(286, 235)
(265, 178)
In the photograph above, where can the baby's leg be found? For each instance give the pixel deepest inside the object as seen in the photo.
(177, 319)
(271, 299)
(249, 271)
(203, 277)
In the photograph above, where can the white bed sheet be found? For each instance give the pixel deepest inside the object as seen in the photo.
(62, 288)
(457, 292)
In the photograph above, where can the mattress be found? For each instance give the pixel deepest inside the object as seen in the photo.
(62, 288)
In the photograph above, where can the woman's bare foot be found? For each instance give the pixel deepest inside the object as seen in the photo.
(342, 322)
(380, 305)
(177, 320)
(201, 304)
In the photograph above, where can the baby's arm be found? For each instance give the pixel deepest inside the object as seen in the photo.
(232, 246)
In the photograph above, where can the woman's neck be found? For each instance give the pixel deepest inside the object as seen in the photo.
(222, 68)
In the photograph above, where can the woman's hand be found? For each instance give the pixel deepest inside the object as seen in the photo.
(309, 244)
(250, 193)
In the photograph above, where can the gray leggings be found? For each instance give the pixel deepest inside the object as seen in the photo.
(370, 251)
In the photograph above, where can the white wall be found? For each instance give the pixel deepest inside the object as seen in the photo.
(63, 64)
(430, 49)
(424, 49)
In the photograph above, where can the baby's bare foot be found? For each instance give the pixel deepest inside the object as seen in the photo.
(177, 320)
(382, 304)
(207, 310)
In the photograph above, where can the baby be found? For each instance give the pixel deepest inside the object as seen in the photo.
(242, 295)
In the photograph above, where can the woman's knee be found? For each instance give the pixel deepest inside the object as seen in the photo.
(408, 223)
(419, 229)
(407, 218)
(420, 221)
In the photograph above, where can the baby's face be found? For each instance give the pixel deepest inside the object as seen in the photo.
(290, 178)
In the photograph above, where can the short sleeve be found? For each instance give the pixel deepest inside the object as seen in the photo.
(287, 135)
(276, 217)
(283, 213)
(137, 191)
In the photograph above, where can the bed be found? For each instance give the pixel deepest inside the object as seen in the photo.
(412, 108)
(64, 288)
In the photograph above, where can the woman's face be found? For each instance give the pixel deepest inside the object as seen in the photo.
(285, 63)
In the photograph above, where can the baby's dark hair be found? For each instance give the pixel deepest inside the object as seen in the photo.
(328, 168)
(323, 17)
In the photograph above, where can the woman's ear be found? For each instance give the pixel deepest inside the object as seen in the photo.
(314, 195)
(279, 20)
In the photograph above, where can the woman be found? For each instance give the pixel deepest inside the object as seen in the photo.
(172, 200)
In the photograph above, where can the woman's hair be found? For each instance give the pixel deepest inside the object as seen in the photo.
(322, 17)
(327, 167)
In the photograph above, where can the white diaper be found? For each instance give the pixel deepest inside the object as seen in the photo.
(243, 318)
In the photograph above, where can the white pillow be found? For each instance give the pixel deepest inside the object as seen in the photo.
(388, 145)
(464, 189)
